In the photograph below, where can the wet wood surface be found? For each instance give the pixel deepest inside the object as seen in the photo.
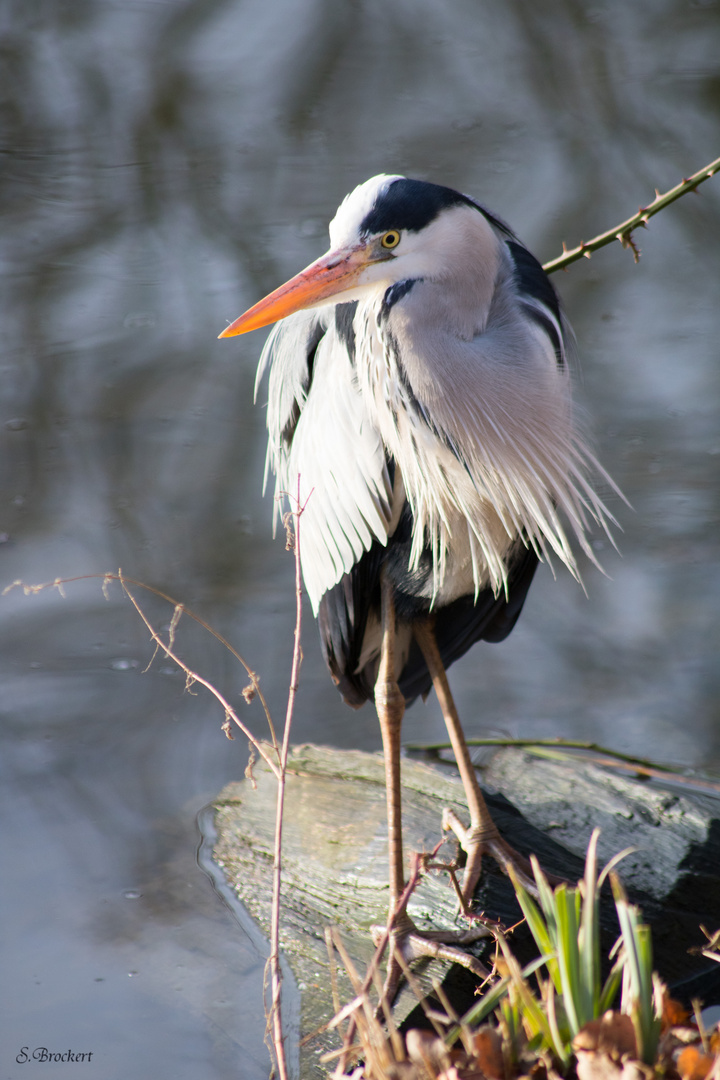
(335, 860)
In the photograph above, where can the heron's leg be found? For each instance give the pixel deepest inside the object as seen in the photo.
(483, 836)
(405, 938)
(390, 706)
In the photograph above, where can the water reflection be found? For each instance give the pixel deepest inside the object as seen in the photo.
(163, 166)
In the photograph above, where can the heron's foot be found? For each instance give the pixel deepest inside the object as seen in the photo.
(408, 943)
(485, 839)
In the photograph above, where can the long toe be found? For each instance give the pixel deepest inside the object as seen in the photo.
(409, 944)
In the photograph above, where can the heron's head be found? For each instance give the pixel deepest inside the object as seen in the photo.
(388, 229)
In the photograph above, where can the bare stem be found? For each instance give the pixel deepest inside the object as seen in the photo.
(623, 232)
(381, 945)
(275, 1017)
(193, 676)
(274, 755)
(168, 649)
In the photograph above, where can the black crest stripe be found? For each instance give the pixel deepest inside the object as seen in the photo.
(410, 204)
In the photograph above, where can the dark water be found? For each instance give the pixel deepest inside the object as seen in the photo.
(164, 164)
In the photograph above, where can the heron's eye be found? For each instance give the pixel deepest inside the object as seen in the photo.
(391, 239)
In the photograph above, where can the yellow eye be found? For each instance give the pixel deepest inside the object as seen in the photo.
(391, 239)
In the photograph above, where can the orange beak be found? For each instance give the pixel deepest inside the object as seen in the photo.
(327, 276)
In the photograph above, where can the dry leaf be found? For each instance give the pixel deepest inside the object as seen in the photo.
(693, 1064)
(674, 1014)
(613, 1034)
(487, 1047)
(592, 1066)
(606, 1049)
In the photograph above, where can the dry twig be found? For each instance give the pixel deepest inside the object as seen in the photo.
(275, 1012)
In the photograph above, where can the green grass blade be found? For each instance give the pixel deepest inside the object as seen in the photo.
(546, 895)
(568, 957)
(639, 999)
(560, 1045)
(489, 1001)
(612, 985)
(589, 937)
(481, 1009)
(545, 937)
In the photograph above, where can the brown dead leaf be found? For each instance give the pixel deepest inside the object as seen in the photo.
(487, 1047)
(592, 1066)
(693, 1064)
(606, 1049)
(613, 1034)
(674, 1013)
(637, 1070)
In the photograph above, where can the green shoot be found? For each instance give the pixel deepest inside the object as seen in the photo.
(569, 993)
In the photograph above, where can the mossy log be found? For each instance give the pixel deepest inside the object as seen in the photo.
(335, 859)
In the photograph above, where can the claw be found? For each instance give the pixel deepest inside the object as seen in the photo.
(408, 944)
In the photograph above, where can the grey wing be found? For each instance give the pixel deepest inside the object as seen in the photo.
(319, 429)
(539, 299)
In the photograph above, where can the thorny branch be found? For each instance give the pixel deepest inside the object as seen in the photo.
(623, 232)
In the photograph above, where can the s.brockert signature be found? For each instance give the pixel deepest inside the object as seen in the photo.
(41, 1053)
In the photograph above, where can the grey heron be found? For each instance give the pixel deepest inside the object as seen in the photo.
(419, 386)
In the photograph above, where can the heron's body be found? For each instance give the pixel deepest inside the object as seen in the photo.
(419, 388)
(430, 417)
